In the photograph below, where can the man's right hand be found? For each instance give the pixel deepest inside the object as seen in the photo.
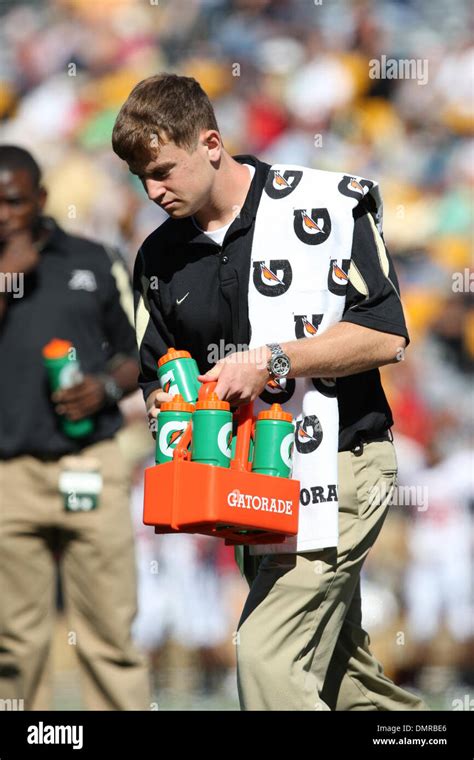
(18, 253)
(153, 404)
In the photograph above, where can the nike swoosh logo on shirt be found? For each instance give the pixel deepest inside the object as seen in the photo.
(180, 300)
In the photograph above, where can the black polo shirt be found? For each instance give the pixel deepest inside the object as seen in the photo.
(191, 293)
(80, 291)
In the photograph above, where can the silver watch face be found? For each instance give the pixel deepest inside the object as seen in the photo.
(280, 366)
(113, 391)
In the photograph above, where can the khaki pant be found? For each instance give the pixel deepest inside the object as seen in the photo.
(97, 566)
(301, 645)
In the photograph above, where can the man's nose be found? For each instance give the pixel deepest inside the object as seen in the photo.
(155, 190)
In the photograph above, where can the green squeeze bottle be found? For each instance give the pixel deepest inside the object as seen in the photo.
(178, 372)
(173, 420)
(212, 432)
(64, 372)
(274, 439)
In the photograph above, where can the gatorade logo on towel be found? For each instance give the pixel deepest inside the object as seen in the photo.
(312, 226)
(272, 278)
(281, 183)
(353, 187)
(308, 434)
(338, 276)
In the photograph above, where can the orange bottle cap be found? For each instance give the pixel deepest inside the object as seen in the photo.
(275, 413)
(178, 404)
(213, 402)
(173, 354)
(56, 348)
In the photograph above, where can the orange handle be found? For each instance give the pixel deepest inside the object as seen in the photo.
(206, 389)
(244, 430)
(244, 433)
(181, 450)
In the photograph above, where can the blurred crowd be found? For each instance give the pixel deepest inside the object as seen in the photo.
(290, 82)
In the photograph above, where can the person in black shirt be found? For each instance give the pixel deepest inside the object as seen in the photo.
(60, 495)
(301, 645)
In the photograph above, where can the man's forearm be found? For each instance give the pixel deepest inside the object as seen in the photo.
(125, 374)
(344, 349)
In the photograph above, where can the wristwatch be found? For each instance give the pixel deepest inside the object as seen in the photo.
(279, 365)
(113, 391)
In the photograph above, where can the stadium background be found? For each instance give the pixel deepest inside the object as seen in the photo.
(290, 82)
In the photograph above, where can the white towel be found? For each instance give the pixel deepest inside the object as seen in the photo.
(300, 261)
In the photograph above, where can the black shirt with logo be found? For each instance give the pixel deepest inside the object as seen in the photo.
(81, 292)
(191, 293)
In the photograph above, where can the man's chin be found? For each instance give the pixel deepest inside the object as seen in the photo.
(178, 212)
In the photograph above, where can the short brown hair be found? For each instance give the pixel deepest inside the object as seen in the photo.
(163, 108)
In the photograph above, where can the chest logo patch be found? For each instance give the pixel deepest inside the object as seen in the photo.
(82, 279)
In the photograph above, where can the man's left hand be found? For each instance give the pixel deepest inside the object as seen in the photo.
(84, 399)
(241, 376)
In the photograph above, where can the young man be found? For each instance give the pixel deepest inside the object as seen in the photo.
(55, 285)
(287, 264)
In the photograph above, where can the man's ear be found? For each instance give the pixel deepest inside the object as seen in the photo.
(213, 142)
(42, 198)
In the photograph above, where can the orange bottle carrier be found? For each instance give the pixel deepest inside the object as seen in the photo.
(231, 503)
